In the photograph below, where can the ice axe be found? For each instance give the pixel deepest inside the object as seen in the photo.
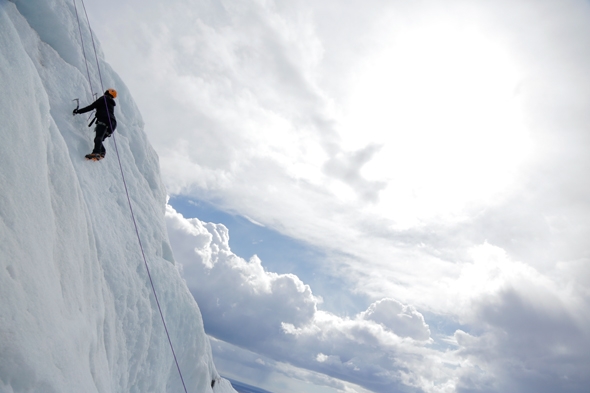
(77, 106)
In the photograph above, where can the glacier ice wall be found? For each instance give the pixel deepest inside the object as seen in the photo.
(77, 313)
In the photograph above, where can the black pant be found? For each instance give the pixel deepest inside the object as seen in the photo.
(102, 132)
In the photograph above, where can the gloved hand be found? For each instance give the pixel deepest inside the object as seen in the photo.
(75, 112)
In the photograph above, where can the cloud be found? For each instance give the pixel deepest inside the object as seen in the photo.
(533, 337)
(250, 294)
(277, 315)
(256, 369)
(521, 327)
(346, 167)
(456, 184)
(404, 321)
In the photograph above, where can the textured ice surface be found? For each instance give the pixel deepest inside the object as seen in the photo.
(77, 313)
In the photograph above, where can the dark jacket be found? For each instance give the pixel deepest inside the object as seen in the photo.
(105, 113)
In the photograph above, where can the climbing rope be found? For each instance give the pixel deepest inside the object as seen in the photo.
(127, 193)
(83, 51)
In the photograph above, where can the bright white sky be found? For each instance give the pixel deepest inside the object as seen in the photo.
(436, 152)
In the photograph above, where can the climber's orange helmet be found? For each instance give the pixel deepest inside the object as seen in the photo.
(111, 92)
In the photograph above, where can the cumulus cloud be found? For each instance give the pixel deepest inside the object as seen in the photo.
(250, 295)
(404, 321)
(278, 315)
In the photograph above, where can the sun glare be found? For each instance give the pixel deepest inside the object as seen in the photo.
(443, 103)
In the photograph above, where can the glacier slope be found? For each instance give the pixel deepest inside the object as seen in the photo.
(77, 311)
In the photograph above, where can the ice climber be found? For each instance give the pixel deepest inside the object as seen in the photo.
(105, 119)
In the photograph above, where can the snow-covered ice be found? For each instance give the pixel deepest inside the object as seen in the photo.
(77, 313)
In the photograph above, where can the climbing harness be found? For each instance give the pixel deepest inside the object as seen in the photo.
(125, 185)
